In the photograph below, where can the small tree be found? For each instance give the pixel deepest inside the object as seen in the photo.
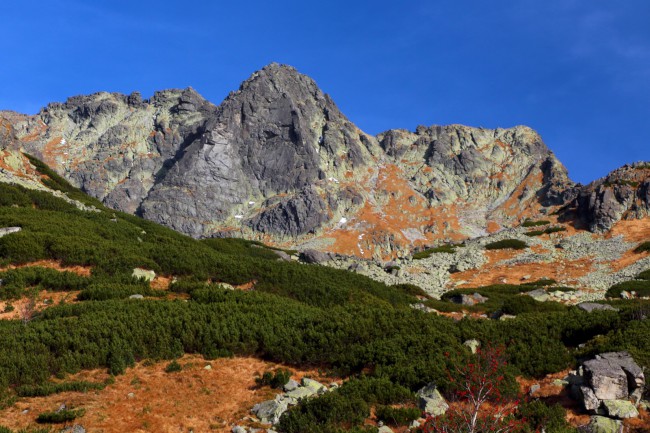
(478, 401)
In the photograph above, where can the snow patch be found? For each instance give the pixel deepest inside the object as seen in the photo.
(251, 203)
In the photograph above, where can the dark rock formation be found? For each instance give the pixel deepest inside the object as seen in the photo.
(622, 194)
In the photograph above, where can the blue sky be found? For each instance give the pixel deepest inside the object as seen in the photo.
(577, 71)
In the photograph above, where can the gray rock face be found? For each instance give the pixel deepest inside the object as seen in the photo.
(314, 256)
(278, 134)
(622, 194)
(601, 424)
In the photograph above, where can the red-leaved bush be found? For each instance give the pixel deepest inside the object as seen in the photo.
(477, 404)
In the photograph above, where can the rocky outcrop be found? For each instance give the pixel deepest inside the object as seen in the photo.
(622, 194)
(610, 384)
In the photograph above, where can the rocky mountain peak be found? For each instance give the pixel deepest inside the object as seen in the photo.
(277, 161)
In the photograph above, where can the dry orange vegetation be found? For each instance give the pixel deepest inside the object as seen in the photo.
(147, 399)
(84, 271)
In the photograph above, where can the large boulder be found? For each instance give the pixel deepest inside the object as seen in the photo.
(8, 230)
(594, 306)
(270, 411)
(148, 275)
(601, 424)
(620, 409)
(607, 383)
(313, 256)
(431, 401)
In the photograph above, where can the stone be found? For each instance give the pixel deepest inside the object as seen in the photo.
(601, 424)
(136, 296)
(239, 429)
(270, 411)
(431, 401)
(469, 300)
(130, 395)
(594, 306)
(302, 392)
(208, 367)
(534, 388)
(148, 275)
(620, 409)
(76, 428)
(313, 256)
(9, 230)
(384, 429)
(313, 385)
(589, 399)
(473, 344)
(613, 375)
(290, 385)
(539, 295)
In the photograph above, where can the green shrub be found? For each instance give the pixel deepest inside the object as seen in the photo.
(15, 281)
(8, 308)
(276, 379)
(397, 416)
(545, 231)
(525, 304)
(540, 283)
(61, 416)
(514, 244)
(645, 275)
(641, 287)
(531, 223)
(173, 367)
(49, 388)
(425, 254)
(542, 417)
(645, 246)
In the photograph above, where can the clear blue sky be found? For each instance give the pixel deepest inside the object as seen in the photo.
(578, 71)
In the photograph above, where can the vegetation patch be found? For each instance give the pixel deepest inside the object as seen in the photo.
(533, 223)
(276, 379)
(645, 275)
(645, 246)
(49, 388)
(641, 287)
(514, 244)
(60, 416)
(425, 254)
(546, 231)
(397, 416)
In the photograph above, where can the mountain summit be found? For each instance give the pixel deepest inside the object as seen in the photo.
(277, 161)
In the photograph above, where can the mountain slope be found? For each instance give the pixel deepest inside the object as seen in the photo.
(277, 161)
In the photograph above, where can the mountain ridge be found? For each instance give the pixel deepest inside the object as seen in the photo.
(277, 161)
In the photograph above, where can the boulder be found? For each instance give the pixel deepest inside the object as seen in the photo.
(589, 399)
(539, 295)
(603, 384)
(270, 411)
(302, 392)
(469, 300)
(136, 296)
(290, 385)
(384, 429)
(473, 344)
(601, 424)
(594, 306)
(314, 256)
(239, 429)
(315, 386)
(620, 409)
(8, 230)
(614, 376)
(431, 401)
(77, 428)
(143, 273)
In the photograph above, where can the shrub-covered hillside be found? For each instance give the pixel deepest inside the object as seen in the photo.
(298, 314)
